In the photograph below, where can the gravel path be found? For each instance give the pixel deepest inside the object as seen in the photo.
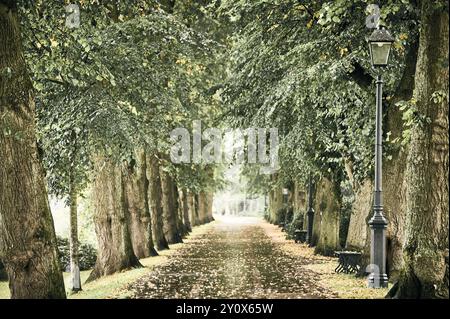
(234, 259)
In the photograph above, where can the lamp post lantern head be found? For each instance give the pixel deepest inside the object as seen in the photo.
(380, 43)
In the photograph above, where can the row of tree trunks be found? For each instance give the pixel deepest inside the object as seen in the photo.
(27, 235)
(138, 208)
(137, 185)
(112, 220)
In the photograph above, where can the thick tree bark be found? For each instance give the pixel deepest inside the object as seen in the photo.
(425, 274)
(394, 185)
(155, 199)
(111, 218)
(27, 236)
(74, 243)
(138, 205)
(170, 214)
(327, 209)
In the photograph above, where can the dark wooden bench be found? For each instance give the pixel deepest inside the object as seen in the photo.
(349, 262)
(300, 236)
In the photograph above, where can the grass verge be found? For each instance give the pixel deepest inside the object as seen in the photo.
(345, 286)
(114, 286)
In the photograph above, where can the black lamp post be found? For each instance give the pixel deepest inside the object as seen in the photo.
(310, 212)
(380, 43)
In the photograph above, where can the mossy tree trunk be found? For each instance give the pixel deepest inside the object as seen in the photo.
(27, 235)
(425, 273)
(394, 184)
(327, 211)
(358, 236)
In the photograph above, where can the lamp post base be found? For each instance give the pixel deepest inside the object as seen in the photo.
(377, 280)
(378, 225)
(310, 225)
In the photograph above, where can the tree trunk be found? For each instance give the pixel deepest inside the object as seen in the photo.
(394, 185)
(425, 274)
(192, 209)
(275, 202)
(327, 209)
(185, 210)
(202, 207)
(179, 212)
(155, 197)
(137, 198)
(358, 237)
(209, 208)
(111, 219)
(74, 244)
(170, 214)
(27, 235)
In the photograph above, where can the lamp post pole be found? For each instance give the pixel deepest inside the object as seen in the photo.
(378, 224)
(310, 213)
(380, 43)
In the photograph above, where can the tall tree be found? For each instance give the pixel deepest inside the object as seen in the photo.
(425, 274)
(27, 236)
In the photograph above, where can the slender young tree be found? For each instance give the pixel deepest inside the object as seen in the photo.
(74, 243)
